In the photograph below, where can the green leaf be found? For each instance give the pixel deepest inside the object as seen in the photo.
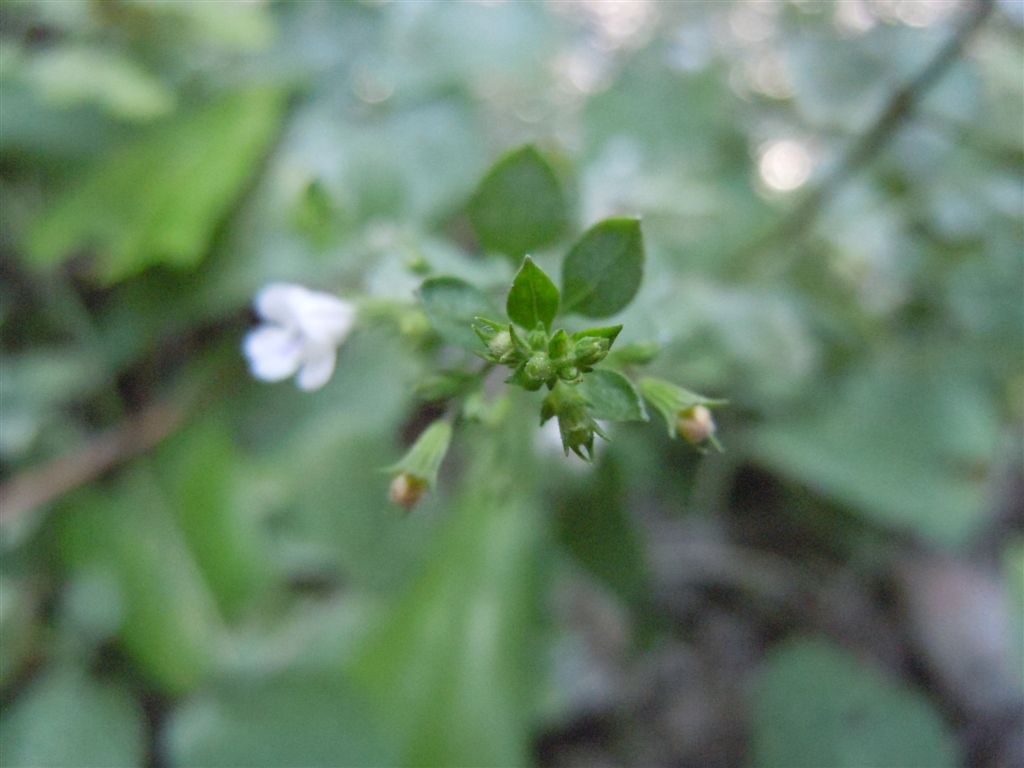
(610, 332)
(450, 669)
(169, 622)
(612, 397)
(452, 306)
(533, 298)
(98, 723)
(907, 441)
(602, 272)
(817, 705)
(594, 524)
(296, 718)
(200, 474)
(159, 199)
(519, 206)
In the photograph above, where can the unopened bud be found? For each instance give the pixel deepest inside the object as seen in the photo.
(538, 367)
(591, 350)
(570, 374)
(406, 490)
(501, 345)
(696, 425)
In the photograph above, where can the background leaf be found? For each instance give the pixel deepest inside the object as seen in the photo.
(451, 304)
(520, 205)
(818, 706)
(159, 199)
(463, 695)
(612, 396)
(169, 622)
(67, 718)
(304, 719)
(602, 272)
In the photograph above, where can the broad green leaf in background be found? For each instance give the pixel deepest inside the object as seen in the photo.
(451, 670)
(907, 442)
(201, 475)
(817, 706)
(520, 205)
(602, 272)
(284, 719)
(594, 524)
(69, 75)
(159, 199)
(170, 626)
(452, 304)
(67, 718)
(612, 396)
(533, 298)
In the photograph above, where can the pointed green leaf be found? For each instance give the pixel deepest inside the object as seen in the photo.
(160, 199)
(610, 332)
(450, 670)
(453, 307)
(519, 205)
(533, 298)
(612, 397)
(602, 272)
(170, 626)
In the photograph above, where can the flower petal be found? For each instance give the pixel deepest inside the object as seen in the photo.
(323, 318)
(276, 302)
(317, 369)
(274, 353)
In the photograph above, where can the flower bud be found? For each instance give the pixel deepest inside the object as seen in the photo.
(696, 425)
(560, 345)
(575, 424)
(501, 346)
(570, 374)
(538, 338)
(538, 367)
(406, 490)
(416, 472)
(687, 414)
(591, 350)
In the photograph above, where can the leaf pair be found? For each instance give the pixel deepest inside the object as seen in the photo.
(520, 206)
(600, 276)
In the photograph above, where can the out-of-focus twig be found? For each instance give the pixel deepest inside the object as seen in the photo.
(899, 107)
(37, 487)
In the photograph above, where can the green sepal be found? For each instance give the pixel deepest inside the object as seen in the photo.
(670, 400)
(521, 346)
(575, 424)
(610, 332)
(487, 329)
(560, 345)
(520, 379)
(424, 458)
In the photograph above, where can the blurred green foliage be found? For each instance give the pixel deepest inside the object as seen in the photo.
(246, 581)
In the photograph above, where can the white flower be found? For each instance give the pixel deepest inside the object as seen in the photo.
(301, 332)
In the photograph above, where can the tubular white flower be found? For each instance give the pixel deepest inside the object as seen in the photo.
(301, 333)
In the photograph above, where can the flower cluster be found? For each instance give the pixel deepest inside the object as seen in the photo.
(588, 383)
(543, 359)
